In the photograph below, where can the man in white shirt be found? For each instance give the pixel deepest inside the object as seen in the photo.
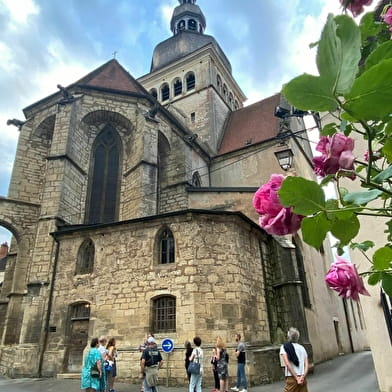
(296, 363)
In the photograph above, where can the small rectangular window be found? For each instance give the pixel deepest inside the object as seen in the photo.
(193, 117)
(164, 314)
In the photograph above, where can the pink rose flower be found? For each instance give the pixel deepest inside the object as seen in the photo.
(337, 153)
(355, 6)
(388, 18)
(275, 219)
(343, 277)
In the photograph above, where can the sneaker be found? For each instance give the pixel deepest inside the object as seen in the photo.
(235, 389)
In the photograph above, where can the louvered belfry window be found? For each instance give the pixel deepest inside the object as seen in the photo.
(104, 185)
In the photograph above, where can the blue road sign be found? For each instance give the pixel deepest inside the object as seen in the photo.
(167, 345)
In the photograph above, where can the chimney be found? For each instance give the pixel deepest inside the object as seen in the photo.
(3, 250)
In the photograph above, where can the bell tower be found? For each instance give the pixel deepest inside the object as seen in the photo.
(191, 76)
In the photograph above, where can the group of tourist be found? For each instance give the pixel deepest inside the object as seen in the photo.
(220, 365)
(293, 355)
(99, 368)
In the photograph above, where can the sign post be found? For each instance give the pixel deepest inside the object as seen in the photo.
(167, 347)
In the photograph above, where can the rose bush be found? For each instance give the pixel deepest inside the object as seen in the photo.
(355, 84)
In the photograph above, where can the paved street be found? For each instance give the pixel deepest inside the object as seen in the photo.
(349, 373)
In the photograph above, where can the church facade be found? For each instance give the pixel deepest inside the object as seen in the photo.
(130, 205)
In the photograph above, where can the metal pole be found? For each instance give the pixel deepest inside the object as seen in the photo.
(167, 370)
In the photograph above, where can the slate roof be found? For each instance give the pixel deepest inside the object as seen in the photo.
(181, 45)
(250, 125)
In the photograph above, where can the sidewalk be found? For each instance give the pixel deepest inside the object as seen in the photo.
(348, 373)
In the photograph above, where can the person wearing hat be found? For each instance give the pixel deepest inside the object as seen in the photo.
(150, 363)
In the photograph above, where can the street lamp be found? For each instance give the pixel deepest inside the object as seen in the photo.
(285, 158)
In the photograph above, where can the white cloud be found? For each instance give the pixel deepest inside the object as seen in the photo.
(166, 11)
(7, 58)
(19, 10)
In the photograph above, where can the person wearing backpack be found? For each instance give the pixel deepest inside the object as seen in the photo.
(150, 363)
(197, 357)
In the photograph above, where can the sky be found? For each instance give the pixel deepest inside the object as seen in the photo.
(48, 42)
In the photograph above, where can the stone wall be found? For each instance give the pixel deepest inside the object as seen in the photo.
(216, 280)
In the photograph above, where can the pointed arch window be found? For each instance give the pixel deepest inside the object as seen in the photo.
(104, 185)
(192, 25)
(166, 247)
(177, 87)
(190, 81)
(164, 314)
(165, 92)
(85, 258)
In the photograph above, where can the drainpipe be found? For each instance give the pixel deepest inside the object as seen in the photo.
(49, 309)
(348, 325)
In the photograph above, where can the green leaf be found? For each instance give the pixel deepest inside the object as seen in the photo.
(308, 92)
(368, 27)
(386, 283)
(345, 230)
(364, 246)
(315, 229)
(382, 258)
(383, 52)
(387, 149)
(307, 197)
(339, 53)
(329, 129)
(361, 198)
(371, 95)
(374, 278)
(384, 175)
(388, 129)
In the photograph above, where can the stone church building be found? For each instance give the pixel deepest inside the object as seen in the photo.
(130, 205)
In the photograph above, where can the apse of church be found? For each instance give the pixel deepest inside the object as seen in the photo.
(130, 203)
